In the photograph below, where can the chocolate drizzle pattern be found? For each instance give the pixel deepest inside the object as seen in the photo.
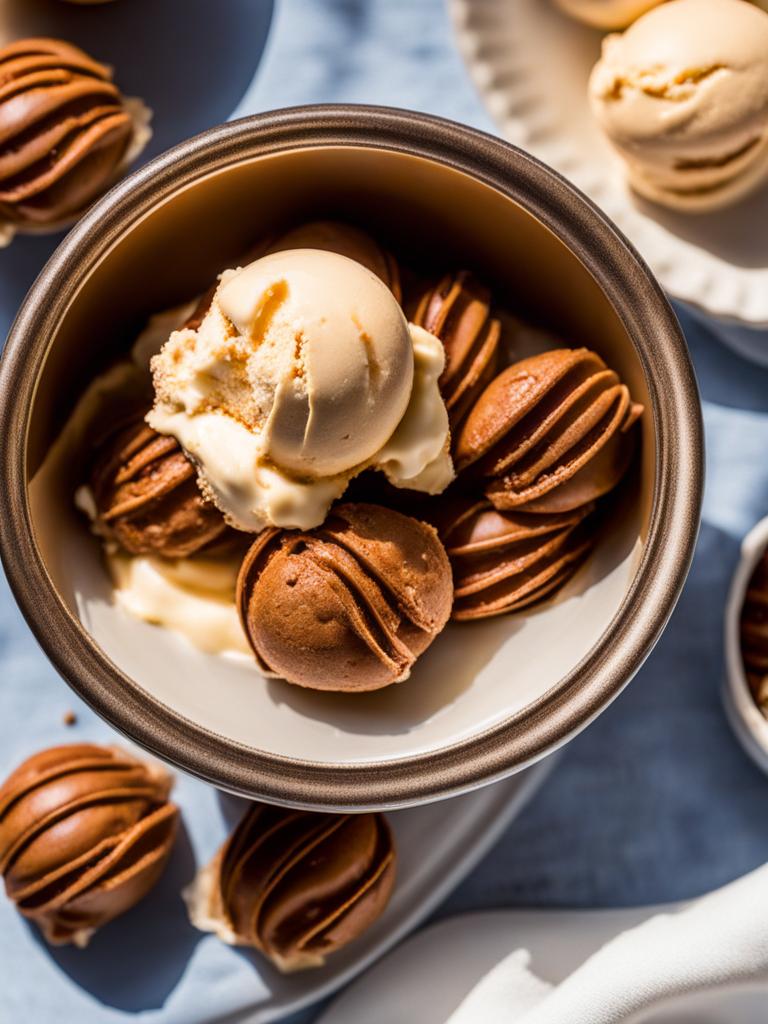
(147, 498)
(505, 561)
(550, 433)
(64, 130)
(85, 832)
(299, 886)
(458, 311)
(349, 605)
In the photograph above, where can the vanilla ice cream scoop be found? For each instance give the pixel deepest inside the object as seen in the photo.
(606, 13)
(303, 373)
(683, 97)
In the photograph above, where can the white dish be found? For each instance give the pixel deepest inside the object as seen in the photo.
(748, 722)
(427, 977)
(531, 64)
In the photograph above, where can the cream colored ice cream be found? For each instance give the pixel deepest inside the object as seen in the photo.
(192, 596)
(607, 13)
(683, 97)
(303, 372)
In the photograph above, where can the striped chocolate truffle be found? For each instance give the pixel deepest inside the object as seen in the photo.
(349, 605)
(64, 131)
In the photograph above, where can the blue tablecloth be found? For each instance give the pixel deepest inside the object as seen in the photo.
(654, 802)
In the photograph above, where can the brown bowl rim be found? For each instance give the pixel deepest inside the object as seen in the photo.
(524, 737)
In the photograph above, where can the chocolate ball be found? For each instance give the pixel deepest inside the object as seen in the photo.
(550, 433)
(295, 885)
(458, 311)
(506, 561)
(64, 131)
(147, 498)
(347, 240)
(85, 832)
(754, 633)
(347, 606)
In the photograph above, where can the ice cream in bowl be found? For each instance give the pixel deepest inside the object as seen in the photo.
(352, 459)
(303, 372)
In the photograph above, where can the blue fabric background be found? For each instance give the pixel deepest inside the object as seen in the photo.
(655, 802)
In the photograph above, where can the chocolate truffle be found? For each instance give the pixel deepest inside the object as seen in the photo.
(754, 633)
(347, 240)
(550, 433)
(64, 131)
(458, 311)
(85, 832)
(147, 498)
(349, 605)
(296, 885)
(506, 561)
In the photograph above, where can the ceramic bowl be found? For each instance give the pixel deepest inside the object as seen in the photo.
(748, 722)
(487, 699)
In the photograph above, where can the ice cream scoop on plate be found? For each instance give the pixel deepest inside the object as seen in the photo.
(607, 13)
(683, 97)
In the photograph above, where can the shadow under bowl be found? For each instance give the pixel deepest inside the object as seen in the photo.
(487, 699)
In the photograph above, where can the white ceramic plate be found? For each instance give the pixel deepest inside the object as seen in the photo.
(427, 977)
(531, 65)
(438, 845)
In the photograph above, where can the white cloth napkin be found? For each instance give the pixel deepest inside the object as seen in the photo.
(720, 940)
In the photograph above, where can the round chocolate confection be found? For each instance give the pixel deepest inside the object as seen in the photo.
(64, 130)
(754, 632)
(505, 561)
(147, 497)
(550, 433)
(346, 240)
(348, 606)
(85, 832)
(458, 311)
(298, 886)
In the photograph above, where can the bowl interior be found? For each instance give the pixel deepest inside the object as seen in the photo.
(475, 675)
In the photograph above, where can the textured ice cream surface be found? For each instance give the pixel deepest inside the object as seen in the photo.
(607, 13)
(303, 372)
(683, 97)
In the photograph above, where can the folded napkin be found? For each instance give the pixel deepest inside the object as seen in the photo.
(720, 940)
